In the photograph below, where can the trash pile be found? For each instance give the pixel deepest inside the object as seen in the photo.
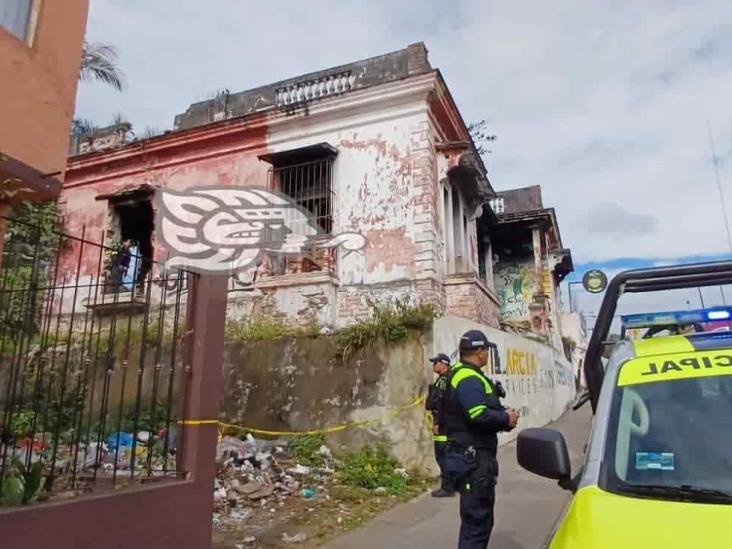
(258, 474)
(151, 451)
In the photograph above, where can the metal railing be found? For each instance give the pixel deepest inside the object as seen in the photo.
(310, 185)
(92, 373)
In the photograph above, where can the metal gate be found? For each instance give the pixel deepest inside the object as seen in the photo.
(92, 376)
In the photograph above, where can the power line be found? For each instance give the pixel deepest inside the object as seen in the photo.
(719, 185)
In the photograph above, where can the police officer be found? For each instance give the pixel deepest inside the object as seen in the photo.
(474, 415)
(435, 397)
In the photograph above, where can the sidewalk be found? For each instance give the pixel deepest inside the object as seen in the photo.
(527, 506)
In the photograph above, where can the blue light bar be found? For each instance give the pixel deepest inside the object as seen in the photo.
(675, 318)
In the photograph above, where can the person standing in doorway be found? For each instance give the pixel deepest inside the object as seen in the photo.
(473, 417)
(435, 396)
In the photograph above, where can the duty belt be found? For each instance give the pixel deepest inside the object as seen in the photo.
(470, 447)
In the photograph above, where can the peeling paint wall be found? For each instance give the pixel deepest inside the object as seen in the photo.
(385, 183)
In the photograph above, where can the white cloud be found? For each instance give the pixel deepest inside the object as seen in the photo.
(602, 103)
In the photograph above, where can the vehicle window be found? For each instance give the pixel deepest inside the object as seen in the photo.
(671, 433)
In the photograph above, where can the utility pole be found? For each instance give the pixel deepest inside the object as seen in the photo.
(715, 162)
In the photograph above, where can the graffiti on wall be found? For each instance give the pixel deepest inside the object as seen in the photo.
(515, 284)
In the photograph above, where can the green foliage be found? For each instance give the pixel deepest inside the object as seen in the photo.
(145, 420)
(372, 467)
(29, 252)
(21, 486)
(389, 322)
(481, 137)
(258, 330)
(306, 449)
(22, 423)
(81, 126)
(99, 62)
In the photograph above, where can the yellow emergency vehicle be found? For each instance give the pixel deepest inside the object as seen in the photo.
(658, 465)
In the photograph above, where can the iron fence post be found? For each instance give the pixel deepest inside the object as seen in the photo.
(206, 317)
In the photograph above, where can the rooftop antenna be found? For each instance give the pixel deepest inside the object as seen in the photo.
(715, 161)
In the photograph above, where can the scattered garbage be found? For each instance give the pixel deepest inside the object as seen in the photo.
(300, 470)
(380, 491)
(298, 538)
(256, 476)
(325, 452)
(119, 439)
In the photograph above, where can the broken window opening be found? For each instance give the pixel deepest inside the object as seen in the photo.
(305, 176)
(133, 224)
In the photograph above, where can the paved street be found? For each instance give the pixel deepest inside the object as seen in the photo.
(527, 506)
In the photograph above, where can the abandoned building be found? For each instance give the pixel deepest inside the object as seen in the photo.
(529, 263)
(377, 147)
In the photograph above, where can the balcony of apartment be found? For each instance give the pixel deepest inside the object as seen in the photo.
(467, 258)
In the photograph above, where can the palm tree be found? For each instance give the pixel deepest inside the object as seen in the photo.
(99, 62)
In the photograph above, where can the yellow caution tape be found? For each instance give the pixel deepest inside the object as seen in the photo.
(328, 430)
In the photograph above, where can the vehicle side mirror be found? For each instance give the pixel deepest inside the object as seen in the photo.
(544, 452)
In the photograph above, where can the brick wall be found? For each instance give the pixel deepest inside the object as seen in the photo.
(468, 298)
(353, 301)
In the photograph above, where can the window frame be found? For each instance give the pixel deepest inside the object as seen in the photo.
(31, 24)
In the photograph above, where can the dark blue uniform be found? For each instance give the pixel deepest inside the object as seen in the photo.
(473, 415)
(433, 404)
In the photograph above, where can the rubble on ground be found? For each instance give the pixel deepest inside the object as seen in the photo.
(254, 474)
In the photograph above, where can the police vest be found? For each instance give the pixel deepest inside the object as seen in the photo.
(461, 432)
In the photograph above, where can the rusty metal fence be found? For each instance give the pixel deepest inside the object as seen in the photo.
(93, 382)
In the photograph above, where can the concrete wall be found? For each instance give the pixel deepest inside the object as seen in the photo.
(539, 381)
(39, 79)
(298, 384)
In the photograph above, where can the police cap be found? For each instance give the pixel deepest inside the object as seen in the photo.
(440, 357)
(472, 340)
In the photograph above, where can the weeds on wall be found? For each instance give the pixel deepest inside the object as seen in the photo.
(258, 330)
(390, 323)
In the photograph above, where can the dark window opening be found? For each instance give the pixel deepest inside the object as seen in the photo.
(518, 246)
(133, 263)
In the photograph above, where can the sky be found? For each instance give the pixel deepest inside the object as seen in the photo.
(606, 105)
